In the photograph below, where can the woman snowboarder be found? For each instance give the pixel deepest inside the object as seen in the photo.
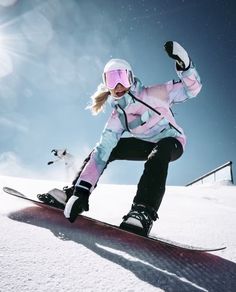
(156, 138)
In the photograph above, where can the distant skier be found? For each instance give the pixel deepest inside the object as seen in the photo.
(62, 154)
(145, 113)
(67, 158)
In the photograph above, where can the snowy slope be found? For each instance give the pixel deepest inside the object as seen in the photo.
(41, 251)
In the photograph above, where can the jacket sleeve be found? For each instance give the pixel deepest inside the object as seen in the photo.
(188, 86)
(101, 153)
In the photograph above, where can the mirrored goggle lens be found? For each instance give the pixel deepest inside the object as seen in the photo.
(112, 78)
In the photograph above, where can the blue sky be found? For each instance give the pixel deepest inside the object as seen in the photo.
(52, 53)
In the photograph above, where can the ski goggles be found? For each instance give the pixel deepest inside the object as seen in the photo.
(122, 76)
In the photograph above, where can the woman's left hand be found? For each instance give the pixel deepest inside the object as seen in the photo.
(179, 54)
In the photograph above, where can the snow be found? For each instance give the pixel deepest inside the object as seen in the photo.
(41, 251)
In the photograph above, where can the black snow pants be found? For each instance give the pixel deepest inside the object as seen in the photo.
(151, 186)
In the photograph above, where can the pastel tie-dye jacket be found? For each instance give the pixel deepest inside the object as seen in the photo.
(131, 115)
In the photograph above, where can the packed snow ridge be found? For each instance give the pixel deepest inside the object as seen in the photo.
(41, 251)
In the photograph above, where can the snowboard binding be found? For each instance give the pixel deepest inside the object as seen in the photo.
(139, 220)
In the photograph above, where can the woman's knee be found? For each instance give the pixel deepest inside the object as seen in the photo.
(168, 149)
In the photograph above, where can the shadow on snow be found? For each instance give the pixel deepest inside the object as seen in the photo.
(167, 268)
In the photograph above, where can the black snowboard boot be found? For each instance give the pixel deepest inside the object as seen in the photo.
(56, 197)
(139, 219)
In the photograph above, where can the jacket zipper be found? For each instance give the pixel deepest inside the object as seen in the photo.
(126, 120)
(151, 108)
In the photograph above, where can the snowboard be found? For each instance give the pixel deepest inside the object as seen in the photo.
(94, 223)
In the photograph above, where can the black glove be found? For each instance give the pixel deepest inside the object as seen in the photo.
(178, 53)
(77, 204)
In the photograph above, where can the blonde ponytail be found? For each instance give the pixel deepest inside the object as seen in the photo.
(98, 99)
